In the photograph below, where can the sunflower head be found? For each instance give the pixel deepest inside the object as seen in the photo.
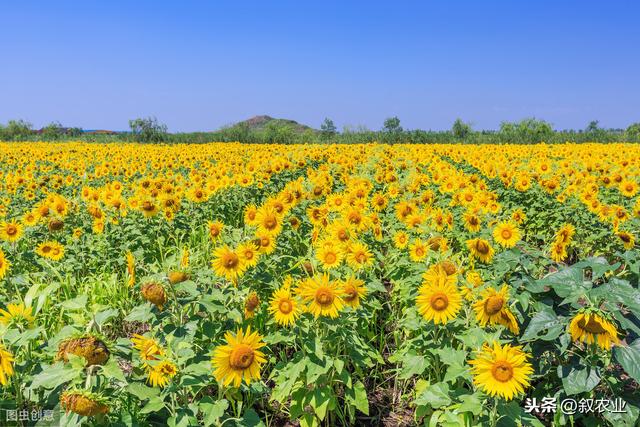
(83, 403)
(502, 371)
(154, 293)
(239, 359)
(177, 277)
(93, 349)
(16, 314)
(592, 327)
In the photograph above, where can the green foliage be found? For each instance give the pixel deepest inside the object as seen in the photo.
(460, 129)
(16, 130)
(392, 125)
(528, 131)
(148, 130)
(328, 128)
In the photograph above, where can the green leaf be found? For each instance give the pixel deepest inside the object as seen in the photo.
(470, 403)
(112, 370)
(102, 317)
(54, 375)
(141, 313)
(358, 396)
(141, 391)
(154, 404)
(450, 356)
(629, 358)
(577, 381)
(413, 365)
(542, 320)
(436, 395)
(76, 303)
(320, 401)
(212, 411)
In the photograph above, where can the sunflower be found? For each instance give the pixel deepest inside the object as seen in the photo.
(491, 308)
(215, 229)
(83, 403)
(154, 293)
(251, 304)
(506, 234)
(502, 371)
(359, 256)
(248, 253)
(628, 240)
(322, 295)
(131, 268)
(284, 307)
(50, 249)
(628, 188)
(518, 216)
(438, 298)
(268, 221)
(160, 373)
(4, 264)
(593, 328)
(10, 231)
(400, 240)
(353, 291)
(565, 234)
(250, 213)
(265, 243)
(472, 222)
(6, 365)
(418, 250)
(227, 263)
(239, 359)
(329, 256)
(184, 258)
(149, 348)
(558, 251)
(474, 279)
(16, 314)
(480, 249)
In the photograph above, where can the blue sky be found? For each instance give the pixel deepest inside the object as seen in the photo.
(201, 65)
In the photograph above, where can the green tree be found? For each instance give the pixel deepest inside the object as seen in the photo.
(16, 130)
(392, 125)
(53, 130)
(460, 129)
(592, 127)
(328, 128)
(527, 131)
(633, 132)
(148, 130)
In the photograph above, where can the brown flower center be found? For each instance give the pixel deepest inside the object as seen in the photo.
(241, 357)
(330, 258)
(493, 305)
(231, 261)
(482, 247)
(506, 234)
(324, 297)
(350, 293)
(285, 307)
(502, 371)
(439, 301)
(592, 326)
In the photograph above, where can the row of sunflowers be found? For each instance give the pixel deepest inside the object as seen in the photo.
(374, 284)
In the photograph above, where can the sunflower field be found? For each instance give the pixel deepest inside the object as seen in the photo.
(370, 284)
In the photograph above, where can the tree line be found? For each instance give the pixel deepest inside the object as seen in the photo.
(150, 130)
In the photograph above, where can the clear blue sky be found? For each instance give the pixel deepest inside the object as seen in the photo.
(200, 65)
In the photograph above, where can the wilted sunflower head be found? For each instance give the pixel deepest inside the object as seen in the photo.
(92, 348)
(154, 293)
(83, 403)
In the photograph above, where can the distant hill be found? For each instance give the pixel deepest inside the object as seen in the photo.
(258, 123)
